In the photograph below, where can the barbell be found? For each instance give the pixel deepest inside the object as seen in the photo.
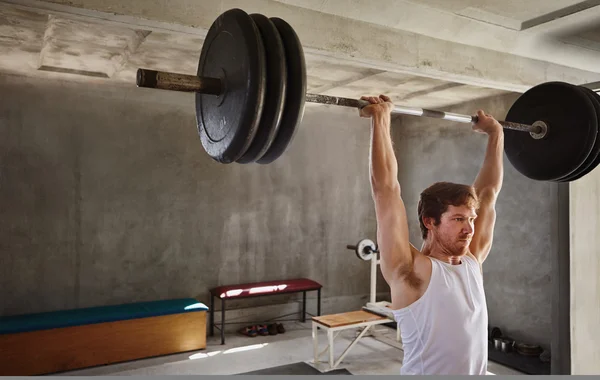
(364, 249)
(250, 93)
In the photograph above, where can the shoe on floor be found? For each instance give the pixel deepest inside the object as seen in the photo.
(273, 329)
(249, 331)
(262, 330)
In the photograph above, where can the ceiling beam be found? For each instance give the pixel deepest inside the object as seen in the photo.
(337, 39)
(595, 86)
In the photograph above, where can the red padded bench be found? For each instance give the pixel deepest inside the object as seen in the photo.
(257, 289)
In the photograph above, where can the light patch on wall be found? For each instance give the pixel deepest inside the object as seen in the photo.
(63, 70)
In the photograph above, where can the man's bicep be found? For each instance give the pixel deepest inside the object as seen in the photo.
(392, 234)
(484, 227)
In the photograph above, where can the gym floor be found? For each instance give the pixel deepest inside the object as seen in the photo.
(241, 354)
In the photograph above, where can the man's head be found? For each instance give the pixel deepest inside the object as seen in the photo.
(447, 212)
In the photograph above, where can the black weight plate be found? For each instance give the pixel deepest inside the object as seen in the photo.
(233, 51)
(592, 160)
(570, 116)
(295, 95)
(596, 161)
(275, 91)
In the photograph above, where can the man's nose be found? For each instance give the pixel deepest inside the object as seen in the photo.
(468, 228)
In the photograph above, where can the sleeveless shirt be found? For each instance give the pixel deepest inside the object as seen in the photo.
(445, 331)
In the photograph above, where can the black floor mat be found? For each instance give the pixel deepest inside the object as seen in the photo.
(300, 368)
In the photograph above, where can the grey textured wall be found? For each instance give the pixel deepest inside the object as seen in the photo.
(517, 273)
(106, 197)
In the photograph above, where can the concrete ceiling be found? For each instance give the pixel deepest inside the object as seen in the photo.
(107, 41)
(564, 32)
(511, 14)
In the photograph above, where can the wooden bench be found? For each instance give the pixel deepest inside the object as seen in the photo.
(257, 289)
(335, 323)
(52, 342)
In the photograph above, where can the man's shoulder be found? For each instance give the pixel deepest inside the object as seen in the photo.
(474, 262)
(473, 258)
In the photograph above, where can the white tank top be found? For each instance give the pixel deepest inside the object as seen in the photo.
(445, 331)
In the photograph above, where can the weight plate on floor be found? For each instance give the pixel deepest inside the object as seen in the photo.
(571, 119)
(232, 51)
(592, 160)
(295, 94)
(275, 90)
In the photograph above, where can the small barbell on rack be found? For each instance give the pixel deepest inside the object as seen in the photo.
(250, 92)
(364, 249)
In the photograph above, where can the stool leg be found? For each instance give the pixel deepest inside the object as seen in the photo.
(319, 302)
(330, 338)
(304, 306)
(222, 320)
(212, 315)
(315, 338)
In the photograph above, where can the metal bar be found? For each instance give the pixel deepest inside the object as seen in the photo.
(362, 333)
(326, 349)
(319, 302)
(373, 290)
(222, 320)
(178, 82)
(212, 315)
(331, 351)
(303, 306)
(315, 338)
(414, 111)
(192, 83)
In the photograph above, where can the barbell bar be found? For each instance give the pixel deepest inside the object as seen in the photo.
(250, 91)
(191, 83)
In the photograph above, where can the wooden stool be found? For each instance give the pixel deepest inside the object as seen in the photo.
(343, 321)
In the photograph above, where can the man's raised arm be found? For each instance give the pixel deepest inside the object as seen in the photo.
(487, 185)
(392, 223)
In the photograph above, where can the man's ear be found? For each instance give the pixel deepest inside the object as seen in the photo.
(428, 222)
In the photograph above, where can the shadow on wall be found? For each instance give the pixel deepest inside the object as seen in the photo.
(108, 197)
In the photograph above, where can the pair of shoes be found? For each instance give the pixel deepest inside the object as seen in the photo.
(276, 328)
(254, 330)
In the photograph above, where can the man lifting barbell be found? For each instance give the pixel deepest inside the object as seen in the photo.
(437, 292)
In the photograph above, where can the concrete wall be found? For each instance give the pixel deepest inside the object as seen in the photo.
(517, 272)
(584, 220)
(107, 196)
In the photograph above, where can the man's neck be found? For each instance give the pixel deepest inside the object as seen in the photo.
(432, 249)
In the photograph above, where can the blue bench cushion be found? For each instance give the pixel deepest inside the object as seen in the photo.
(100, 314)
